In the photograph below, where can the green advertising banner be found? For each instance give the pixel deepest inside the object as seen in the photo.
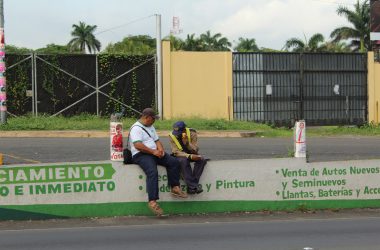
(112, 188)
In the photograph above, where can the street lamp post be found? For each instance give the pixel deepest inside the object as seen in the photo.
(159, 64)
(3, 93)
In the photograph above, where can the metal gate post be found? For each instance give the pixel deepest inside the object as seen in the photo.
(301, 106)
(35, 82)
(159, 65)
(97, 84)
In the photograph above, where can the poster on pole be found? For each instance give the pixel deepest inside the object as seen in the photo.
(300, 139)
(116, 141)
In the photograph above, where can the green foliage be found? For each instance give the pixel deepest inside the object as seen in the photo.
(107, 65)
(358, 33)
(246, 45)
(44, 122)
(176, 44)
(264, 49)
(56, 49)
(302, 207)
(332, 46)
(83, 37)
(214, 42)
(192, 43)
(12, 49)
(291, 152)
(19, 77)
(369, 129)
(205, 42)
(106, 68)
(133, 45)
(93, 122)
(51, 75)
(314, 44)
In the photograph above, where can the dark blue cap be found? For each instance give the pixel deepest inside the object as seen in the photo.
(178, 127)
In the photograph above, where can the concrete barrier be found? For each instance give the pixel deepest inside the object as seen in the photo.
(92, 189)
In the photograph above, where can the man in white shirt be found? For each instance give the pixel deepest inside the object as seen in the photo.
(148, 152)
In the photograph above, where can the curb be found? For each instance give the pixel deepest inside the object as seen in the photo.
(106, 134)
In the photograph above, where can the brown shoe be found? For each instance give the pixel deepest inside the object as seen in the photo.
(155, 208)
(177, 192)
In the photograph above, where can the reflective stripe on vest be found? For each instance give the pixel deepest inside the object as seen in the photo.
(174, 138)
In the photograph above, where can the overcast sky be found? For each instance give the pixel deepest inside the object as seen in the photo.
(36, 23)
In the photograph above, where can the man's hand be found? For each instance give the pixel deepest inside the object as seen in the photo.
(158, 153)
(160, 148)
(185, 140)
(196, 157)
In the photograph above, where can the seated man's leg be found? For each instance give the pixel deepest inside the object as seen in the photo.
(198, 169)
(188, 174)
(172, 168)
(149, 166)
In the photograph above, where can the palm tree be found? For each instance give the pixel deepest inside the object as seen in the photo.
(335, 47)
(246, 45)
(359, 33)
(214, 42)
(311, 45)
(223, 44)
(175, 43)
(192, 43)
(84, 37)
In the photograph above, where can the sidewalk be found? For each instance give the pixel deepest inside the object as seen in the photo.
(106, 134)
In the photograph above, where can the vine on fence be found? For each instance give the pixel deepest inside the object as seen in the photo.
(17, 84)
(59, 90)
(108, 63)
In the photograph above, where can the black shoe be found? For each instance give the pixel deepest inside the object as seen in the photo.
(191, 191)
(199, 189)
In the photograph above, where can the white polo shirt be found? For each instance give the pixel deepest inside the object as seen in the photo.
(137, 134)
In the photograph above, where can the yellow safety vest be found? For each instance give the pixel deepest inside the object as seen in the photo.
(176, 140)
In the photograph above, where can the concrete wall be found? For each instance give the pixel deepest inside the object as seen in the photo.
(197, 84)
(373, 89)
(89, 189)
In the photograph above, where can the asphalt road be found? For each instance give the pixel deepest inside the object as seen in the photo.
(263, 232)
(47, 150)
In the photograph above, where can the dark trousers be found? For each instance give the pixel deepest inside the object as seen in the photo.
(149, 163)
(190, 175)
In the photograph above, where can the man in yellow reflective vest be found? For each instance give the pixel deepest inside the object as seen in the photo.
(184, 145)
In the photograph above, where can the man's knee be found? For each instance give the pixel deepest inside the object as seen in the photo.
(150, 168)
(172, 161)
(183, 161)
(151, 172)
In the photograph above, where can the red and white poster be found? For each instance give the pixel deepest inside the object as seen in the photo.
(300, 139)
(116, 141)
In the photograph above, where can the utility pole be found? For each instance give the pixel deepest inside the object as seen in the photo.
(3, 93)
(159, 64)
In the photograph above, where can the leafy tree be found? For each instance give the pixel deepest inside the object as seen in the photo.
(192, 43)
(359, 33)
(83, 37)
(56, 49)
(133, 45)
(335, 47)
(246, 45)
(175, 43)
(311, 45)
(264, 49)
(16, 50)
(214, 42)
